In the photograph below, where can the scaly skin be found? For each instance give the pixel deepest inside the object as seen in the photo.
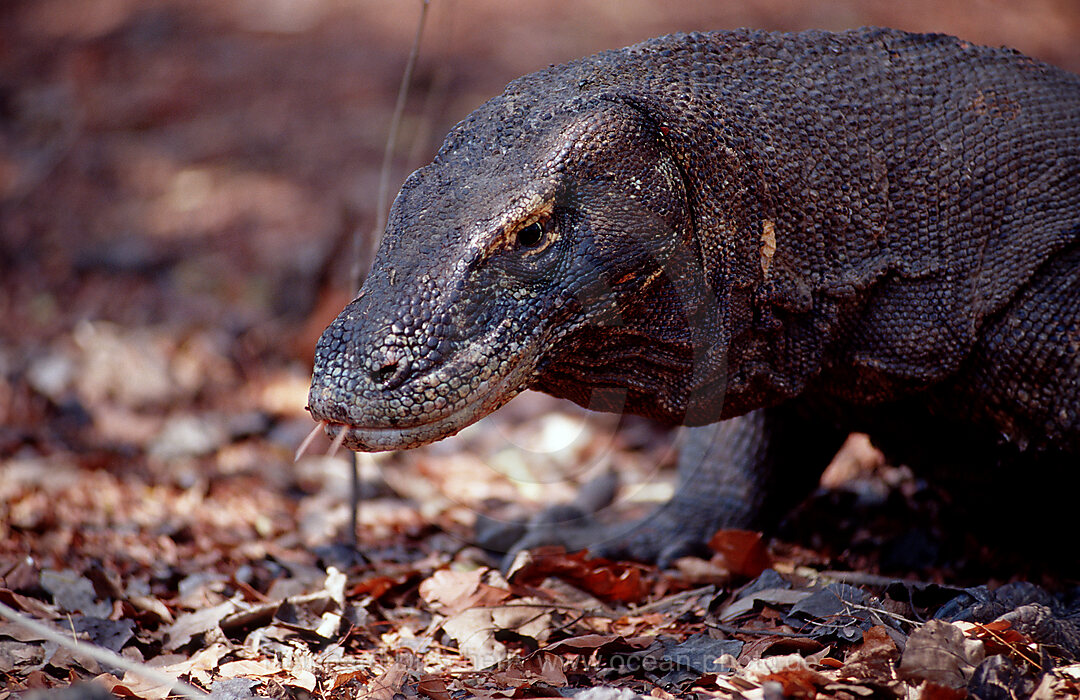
(867, 230)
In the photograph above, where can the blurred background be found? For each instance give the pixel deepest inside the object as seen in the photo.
(180, 181)
(201, 162)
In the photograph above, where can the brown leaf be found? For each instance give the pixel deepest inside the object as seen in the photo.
(376, 586)
(19, 656)
(31, 606)
(856, 459)
(778, 645)
(874, 658)
(608, 580)
(475, 629)
(743, 552)
(200, 666)
(448, 589)
(932, 691)
(347, 677)
(115, 686)
(585, 644)
(774, 596)
(153, 606)
(300, 678)
(387, 685)
(699, 572)
(147, 689)
(540, 667)
(22, 575)
(588, 643)
(547, 667)
(450, 592)
(188, 625)
(791, 671)
(938, 652)
(433, 687)
(247, 668)
(1000, 638)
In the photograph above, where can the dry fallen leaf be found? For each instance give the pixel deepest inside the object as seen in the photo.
(386, 686)
(588, 643)
(539, 667)
(475, 629)
(198, 622)
(775, 596)
(874, 658)
(200, 666)
(451, 592)
(742, 552)
(933, 691)
(247, 668)
(433, 687)
(607, 580)
(791, 671)
(301, 678)
(940, 653)
(142, 687)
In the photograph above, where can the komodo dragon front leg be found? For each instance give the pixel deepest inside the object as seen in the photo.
(744, 472)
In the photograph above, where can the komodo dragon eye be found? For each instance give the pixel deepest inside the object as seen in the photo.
(531, 236)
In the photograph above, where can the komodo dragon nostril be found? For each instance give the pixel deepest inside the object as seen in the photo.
(389, 370)
(383, 374)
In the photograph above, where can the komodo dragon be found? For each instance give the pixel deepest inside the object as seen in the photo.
(799, 235)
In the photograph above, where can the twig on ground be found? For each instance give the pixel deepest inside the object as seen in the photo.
(731, 629)
(675, 598)
(100, 654)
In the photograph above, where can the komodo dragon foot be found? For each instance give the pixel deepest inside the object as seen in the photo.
(733, 474)
(677, 528)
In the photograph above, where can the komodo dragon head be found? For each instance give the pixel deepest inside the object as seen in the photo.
(535, 251)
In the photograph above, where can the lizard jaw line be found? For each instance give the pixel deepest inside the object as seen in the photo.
(363, 439)
(388, 438)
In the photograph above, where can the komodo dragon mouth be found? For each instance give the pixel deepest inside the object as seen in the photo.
(380, 438)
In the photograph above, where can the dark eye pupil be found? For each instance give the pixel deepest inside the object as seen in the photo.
(531, 235)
